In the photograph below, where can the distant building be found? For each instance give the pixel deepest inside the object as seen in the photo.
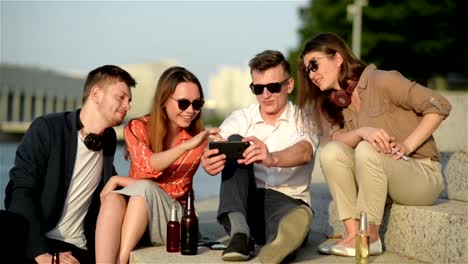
(229, 90)
(146, 76)
(27, 92)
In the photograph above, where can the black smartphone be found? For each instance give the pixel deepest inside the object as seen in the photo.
(232, 149)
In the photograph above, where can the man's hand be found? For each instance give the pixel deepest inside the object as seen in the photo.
(65, 258)
(212, 162)
(257, 152)
(109, 187)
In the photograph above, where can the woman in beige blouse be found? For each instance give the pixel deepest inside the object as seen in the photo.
(381, 127)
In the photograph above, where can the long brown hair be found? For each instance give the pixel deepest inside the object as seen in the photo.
(311, 100)
(158, 120)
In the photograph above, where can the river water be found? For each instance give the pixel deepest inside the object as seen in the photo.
(205, 186)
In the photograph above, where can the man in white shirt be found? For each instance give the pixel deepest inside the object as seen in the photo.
(265, 195)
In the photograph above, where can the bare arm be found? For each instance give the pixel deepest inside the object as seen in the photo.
(295, 155)
(162, 160)
(114, 182)
(377, 137)
(350, 138)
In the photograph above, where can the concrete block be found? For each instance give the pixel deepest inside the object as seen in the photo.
(455, 176)
(457, 243)
(308, 254)
(435, 233)
(452, 134)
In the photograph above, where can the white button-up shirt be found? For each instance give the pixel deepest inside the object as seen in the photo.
(287, 131)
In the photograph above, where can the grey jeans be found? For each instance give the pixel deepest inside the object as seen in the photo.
(263, 208)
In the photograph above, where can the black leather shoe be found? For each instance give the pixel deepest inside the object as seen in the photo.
(240, 248)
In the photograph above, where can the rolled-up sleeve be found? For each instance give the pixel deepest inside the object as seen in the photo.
(411, 95)
(136, 138)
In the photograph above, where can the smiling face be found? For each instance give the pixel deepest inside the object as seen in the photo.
(327, 69)
(113, 101)
(182, 118)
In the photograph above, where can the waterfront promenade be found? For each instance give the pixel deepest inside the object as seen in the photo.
(211, 230)
(411, 234)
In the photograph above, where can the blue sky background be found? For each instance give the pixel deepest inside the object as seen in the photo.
(79, 36)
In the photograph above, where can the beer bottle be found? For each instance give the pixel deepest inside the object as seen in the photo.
(362, 241)
(56, 258)
(173, 232)
(189, 228)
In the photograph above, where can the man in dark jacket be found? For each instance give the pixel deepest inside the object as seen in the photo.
(61, 165)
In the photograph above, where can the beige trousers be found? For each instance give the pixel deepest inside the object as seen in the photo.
(360, 179)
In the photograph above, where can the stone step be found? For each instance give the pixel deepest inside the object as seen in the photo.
(411, 234)
(306, 255)
(437, 233)
(452, 134)
(455, 168)
(211, 229)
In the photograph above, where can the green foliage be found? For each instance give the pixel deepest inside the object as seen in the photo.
(419, 38)
(212, 120)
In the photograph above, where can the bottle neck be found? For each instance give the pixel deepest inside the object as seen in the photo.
(363, 222)
(174, 213)
(189, 208)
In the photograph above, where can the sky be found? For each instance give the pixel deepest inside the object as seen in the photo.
(78, 36)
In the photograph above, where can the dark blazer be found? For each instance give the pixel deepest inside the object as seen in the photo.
(40, 177)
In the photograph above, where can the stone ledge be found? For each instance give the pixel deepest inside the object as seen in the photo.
(211, 229)
(308, 254)
(437, 233)
(455, 168)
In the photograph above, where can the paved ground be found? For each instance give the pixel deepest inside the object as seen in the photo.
(210, 229)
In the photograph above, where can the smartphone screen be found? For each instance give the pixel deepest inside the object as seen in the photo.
(232, 150)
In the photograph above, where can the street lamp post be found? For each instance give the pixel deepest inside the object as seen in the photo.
(355, 11)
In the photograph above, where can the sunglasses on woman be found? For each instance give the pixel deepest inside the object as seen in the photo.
(183, 103)
(257, 89)
(313, 65)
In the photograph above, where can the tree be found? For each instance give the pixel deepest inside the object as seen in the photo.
(419, 38)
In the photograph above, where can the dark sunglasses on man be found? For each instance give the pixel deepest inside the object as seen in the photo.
(183, 103)
(257, 89)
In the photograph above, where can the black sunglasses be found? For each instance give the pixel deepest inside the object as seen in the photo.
(313, 65)
(257, 89)
(183, 104)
